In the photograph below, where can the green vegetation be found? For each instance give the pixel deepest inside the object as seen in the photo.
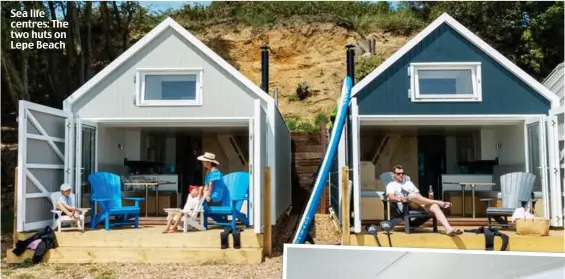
(319, 119)
(365, 65)
(296, 124)
(7, 220)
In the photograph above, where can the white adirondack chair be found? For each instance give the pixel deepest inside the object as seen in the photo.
(516, 188)
(59, 218)
(515, 191)
(190, 218)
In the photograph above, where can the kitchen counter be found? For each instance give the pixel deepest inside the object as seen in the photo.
(172, 182)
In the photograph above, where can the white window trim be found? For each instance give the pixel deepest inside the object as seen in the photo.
(140, 87)
(476, 79)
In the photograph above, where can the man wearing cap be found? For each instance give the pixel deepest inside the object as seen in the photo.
(66, 204)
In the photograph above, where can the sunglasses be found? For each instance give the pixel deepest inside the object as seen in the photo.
(399, 173)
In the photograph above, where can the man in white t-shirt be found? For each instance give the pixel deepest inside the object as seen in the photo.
(402, 191)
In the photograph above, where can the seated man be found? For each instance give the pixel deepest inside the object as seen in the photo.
(66, 204)
(405, 191)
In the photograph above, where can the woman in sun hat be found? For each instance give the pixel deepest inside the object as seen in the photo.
(214, 187)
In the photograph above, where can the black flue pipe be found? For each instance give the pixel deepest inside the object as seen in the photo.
(265, 68)
(351, 62)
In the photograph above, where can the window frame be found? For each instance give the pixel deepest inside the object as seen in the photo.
(476, 81)
(140, 86)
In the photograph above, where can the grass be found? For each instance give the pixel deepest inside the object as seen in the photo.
(361, 16)
(25, 276)
(106, 274)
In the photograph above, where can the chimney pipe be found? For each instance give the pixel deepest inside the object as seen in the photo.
(265, 68)
(351, 62)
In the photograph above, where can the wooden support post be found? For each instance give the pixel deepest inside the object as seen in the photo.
(345, 211)
(15, 229)
(267, 231)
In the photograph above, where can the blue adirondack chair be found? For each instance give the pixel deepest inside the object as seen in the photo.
(107, 194)
(238, 191)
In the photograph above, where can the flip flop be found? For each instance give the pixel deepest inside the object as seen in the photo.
(446, 205)
(455, 232)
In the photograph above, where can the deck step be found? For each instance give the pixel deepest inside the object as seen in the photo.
(193, 256)
(152, 237)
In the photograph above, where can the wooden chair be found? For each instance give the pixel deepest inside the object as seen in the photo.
(237, 184)
(402, 212)
(107, 194)
(59, 219)
(190, 218)
(516, 191)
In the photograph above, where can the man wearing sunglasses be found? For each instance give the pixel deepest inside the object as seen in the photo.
(401, 190)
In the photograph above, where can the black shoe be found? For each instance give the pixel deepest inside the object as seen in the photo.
(224, 240)
(236, 239)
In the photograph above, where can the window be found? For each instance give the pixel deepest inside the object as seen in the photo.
(175, 87)
(445, 82)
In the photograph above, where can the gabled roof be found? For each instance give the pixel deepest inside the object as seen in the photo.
(554, 82)
(167, 23)
(478, 42)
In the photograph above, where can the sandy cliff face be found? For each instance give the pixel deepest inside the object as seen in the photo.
(300, 52)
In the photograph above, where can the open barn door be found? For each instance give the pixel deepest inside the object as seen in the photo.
(44, 162)
(256, 169)
(554, 172)
(536, 152)
(356, 149)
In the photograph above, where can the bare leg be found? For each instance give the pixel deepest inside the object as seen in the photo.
(171, 220)
(177, 221)
(438, 213)
(419, 199)
(76, 216)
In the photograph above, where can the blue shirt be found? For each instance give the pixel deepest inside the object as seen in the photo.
(218, 188)
(67, 200)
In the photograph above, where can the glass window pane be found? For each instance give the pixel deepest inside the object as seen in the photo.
(445, 82)
(170, 87)
(533, 153)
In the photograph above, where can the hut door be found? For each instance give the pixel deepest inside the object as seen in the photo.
(536, 157)
(44, 162)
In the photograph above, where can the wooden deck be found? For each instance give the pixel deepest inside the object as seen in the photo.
(425, 238)
(148, 244)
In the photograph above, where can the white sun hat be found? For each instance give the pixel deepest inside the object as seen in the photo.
(208, 157)
(65, 187)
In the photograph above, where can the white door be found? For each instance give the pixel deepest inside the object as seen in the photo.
(85, 152)
(257, 167)
(356, 146)
(536, 154)
(251, 175)
(43, 162)
(555, 188)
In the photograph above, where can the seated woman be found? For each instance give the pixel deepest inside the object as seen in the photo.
(66, 204)
(192, 203)
(214, 187)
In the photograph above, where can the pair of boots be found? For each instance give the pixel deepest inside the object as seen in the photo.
(236, 237)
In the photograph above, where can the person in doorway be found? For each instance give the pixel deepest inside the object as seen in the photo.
(214, 187)
(66, 204)
(402, 191)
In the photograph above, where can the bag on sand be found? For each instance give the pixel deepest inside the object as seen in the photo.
(530, 224)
